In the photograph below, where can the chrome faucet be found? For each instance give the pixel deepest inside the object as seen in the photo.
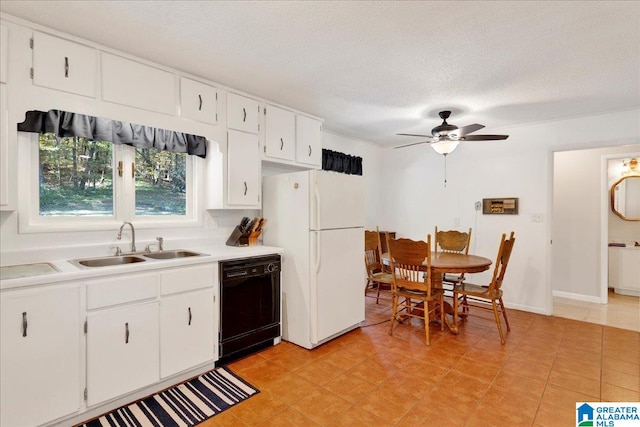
(133, 235)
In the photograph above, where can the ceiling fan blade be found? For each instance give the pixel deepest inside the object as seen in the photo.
(465, 130)
(415, 143)
(484, 137)
(412, 134)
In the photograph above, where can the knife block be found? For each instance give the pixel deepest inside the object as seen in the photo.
(238, 238)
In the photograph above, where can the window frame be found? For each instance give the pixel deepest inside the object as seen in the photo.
(30, 220)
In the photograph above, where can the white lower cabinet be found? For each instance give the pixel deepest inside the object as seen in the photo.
(122, 350)
(39, 355)
(186, 331)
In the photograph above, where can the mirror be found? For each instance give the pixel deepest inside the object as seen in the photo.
(625, 198)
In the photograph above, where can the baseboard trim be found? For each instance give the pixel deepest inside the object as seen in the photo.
(578, 297)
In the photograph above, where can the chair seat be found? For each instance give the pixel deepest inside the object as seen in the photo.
(382, 277)
(478, 291)
(413, 293)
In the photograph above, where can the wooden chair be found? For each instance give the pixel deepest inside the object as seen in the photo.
(376, 272)
(412, 281)
(487, 297)
(455, 242)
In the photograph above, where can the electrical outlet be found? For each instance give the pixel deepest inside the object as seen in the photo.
(478, 206)
(456, 222)
(537, 217)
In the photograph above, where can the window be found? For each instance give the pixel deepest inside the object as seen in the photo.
(75, 177)
(81, 184)
(161, 182)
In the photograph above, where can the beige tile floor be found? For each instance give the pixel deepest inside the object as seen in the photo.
(622, 311)
(368, 378)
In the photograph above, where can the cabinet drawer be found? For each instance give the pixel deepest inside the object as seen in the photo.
(121, 289)
(188, 278)
(131, 83)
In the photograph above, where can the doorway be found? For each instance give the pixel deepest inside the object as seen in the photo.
(580, 230)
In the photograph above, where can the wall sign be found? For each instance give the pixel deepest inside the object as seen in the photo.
(502, 206)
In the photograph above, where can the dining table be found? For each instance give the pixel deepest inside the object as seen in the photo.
(449, 262)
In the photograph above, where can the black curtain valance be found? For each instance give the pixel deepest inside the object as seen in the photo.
(66, 124)
(340, 162)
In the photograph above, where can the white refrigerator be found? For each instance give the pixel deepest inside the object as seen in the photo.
(318, 218)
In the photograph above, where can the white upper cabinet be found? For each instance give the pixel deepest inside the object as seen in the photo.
(198, 101)
(64, 65)
(308, 141)
(243, 113)
(243, 169)
(280, 128)
(131, 83)
(4, 53)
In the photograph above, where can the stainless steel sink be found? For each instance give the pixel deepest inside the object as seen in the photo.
(177, 253)
(109, 261)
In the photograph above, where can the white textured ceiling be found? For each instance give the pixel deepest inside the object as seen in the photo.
(374, 69)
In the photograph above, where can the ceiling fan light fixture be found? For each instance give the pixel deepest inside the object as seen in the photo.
(445, 147)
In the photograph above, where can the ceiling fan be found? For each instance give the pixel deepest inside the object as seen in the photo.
(446, 137)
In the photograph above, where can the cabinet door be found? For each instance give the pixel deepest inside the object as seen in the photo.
(630, 271)
(4, 53)
(39, 355)
(280, 128)
(243, 113)
(122, 351)
(308, 141)
(5, 188)
(198, 101)
(138, 85)
(63, 65)
(243, 169)
(187, 336)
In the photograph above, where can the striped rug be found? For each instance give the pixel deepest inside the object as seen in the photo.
(185, 404)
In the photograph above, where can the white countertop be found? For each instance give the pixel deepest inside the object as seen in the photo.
(68, 272)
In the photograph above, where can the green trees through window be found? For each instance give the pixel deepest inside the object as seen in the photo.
(76, 178)
(160, 182)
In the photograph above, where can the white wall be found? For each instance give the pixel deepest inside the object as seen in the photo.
(577, 203)
(371, 171)
(522, 166)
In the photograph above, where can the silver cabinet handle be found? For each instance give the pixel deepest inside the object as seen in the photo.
(126, 333)
(190, 317)
(200, 105)
(244, 111)
(245, 188)
(281, 144)
(66, 66)
(309, 150)
(25, 324)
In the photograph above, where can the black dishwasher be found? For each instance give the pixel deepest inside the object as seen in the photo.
(249, 305)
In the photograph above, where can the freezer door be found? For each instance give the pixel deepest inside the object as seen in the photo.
(337, 200)
(337, 287)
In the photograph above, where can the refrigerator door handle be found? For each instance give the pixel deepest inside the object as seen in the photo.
(318, 258)
(316, 195)
(313, 291)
